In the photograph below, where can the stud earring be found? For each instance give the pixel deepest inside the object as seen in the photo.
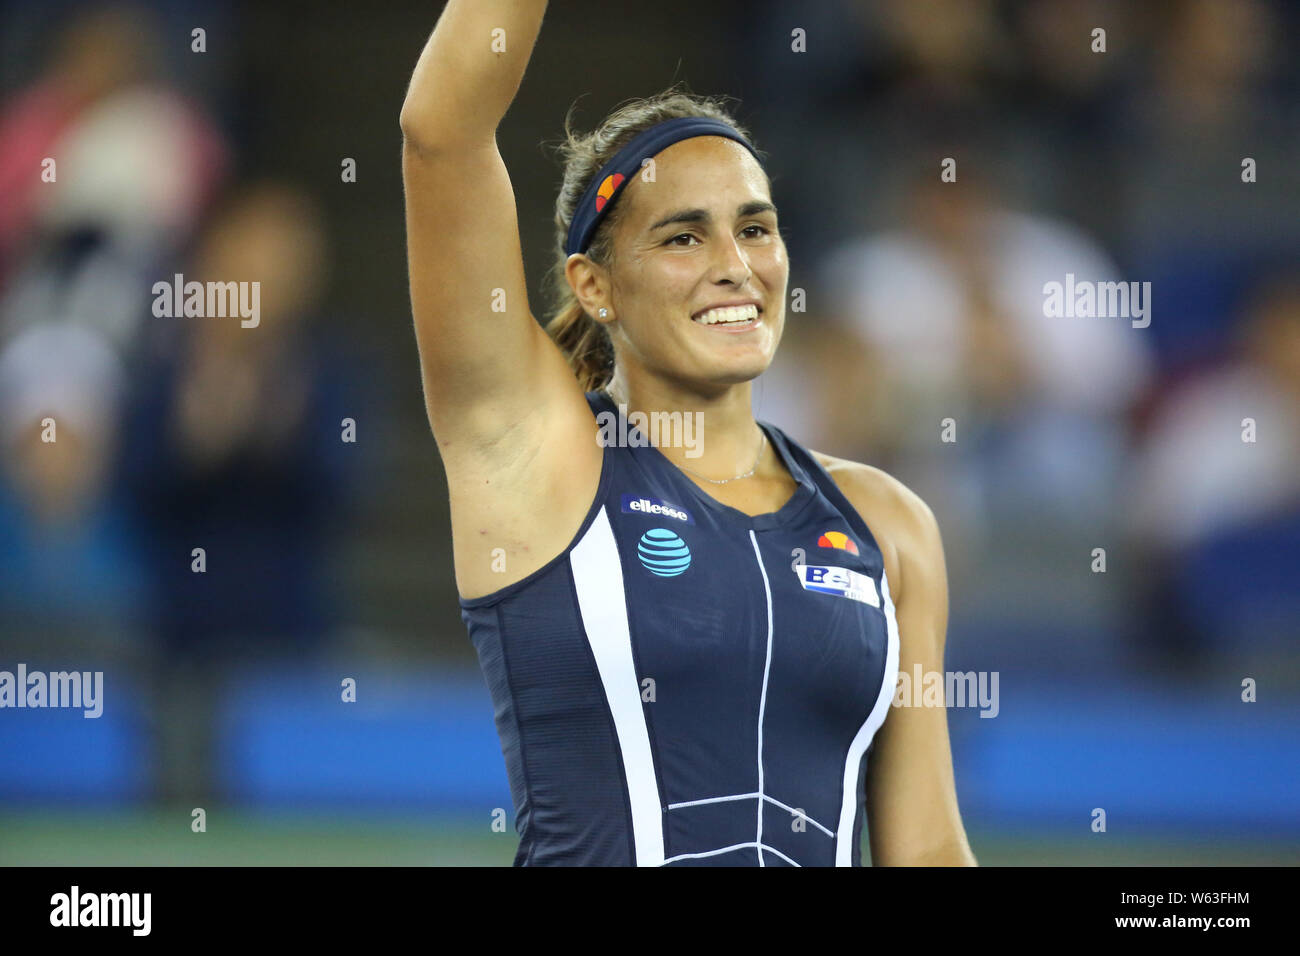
(604, 313)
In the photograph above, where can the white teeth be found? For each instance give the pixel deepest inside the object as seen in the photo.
(734, 313)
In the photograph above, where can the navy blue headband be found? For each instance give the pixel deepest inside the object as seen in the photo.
(606, 186)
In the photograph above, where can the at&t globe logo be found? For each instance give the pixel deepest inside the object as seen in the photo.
(663, 553)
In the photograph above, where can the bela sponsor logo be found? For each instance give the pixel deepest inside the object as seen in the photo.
(842, 582)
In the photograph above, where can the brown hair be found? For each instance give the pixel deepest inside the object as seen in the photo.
(584, 341)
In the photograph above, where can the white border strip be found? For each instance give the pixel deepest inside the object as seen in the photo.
(798, 813)
(849, 800)
(762, 700)
(734, 796)
(598, 579)
(727, 849)
(751, 796)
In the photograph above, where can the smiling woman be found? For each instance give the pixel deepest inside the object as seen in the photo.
(585, 341)
(690, 666)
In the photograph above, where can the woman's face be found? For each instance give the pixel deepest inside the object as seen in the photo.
(702, 234)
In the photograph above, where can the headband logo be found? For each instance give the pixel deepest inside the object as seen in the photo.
(607, 189)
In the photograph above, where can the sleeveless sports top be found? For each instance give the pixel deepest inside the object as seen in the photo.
(689, 685)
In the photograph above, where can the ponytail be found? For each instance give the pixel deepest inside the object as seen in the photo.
(585, 343)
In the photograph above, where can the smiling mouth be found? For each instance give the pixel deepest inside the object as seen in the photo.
(729, 315)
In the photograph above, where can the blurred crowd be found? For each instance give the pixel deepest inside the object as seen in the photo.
(169, 487)
(1174, 446)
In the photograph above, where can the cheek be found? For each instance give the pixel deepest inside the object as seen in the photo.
(665, 285)
(776, 257)
(677, 275)
(649, 277)
(774, 271)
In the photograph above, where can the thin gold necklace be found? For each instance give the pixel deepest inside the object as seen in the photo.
(722, 481)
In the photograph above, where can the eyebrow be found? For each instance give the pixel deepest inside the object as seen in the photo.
(704, 216)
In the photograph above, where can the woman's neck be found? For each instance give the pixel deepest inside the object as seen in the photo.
(710, 434)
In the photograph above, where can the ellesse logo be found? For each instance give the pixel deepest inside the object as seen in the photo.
(654, 507)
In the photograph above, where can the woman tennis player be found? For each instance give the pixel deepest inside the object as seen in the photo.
(692, 645)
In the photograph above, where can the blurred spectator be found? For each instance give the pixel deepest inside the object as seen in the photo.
(1196, 474)
(237, 441)
(1217, 499)
(70, 571)
(949, 315)
(97, 54)
(237, 449)
(135, 162)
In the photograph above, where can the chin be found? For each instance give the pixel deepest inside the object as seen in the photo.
(737, 373)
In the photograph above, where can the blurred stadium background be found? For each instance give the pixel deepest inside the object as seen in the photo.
(329, 559)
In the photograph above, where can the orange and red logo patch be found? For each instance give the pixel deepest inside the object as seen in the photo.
(837, 539)
(607, 189)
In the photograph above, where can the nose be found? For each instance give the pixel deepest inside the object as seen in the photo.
(730, 263)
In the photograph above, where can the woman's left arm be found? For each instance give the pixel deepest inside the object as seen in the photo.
(913, 818)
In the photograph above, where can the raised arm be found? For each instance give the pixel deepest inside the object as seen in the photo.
(485, 361)
(469, 72)
(516, 436)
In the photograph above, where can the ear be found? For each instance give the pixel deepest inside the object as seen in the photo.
(590, 284)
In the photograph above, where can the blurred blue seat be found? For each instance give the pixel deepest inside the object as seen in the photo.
(1154, 758)
(409, 742)
(59, 756)
(1242, 586)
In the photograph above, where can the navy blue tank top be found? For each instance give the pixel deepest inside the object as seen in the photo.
(687, 684)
